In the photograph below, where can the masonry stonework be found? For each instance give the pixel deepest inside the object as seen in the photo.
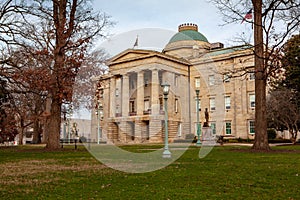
(132, 97)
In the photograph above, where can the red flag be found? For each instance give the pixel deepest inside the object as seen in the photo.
(247, 16)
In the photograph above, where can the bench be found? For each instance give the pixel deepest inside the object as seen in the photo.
(69, 141)
(220, 138)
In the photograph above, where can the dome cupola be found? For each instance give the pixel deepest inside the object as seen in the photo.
(186, 32)
(187, 42)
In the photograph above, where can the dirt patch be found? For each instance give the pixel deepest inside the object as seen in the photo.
(33, 172)
(266, 151)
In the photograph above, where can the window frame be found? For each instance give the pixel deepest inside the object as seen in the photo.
(251, 127)
(213, 126)
(228, 130)
(212, 108)
(197, 82)
(211, 80)
(226, 98)
(252, 101)
(226, 78)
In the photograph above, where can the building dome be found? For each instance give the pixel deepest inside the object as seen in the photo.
(186, 32)
(187, 43)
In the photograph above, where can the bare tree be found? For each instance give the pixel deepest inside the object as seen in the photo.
(274, 21)
(58, 34)
(283, 111)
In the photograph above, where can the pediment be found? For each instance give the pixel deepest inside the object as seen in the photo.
(129, 54)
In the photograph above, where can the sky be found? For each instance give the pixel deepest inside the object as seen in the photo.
(166, 16)
(154, 22)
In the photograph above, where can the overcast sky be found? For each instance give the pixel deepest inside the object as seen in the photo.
(156, 21)
(165, 15)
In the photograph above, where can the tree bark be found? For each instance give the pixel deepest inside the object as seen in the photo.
(261, 136)
(21, 134)
(53, 132)
(36, 132)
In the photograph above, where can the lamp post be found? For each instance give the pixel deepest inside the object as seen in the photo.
(166, 88)
(198, 124)
(99, 117)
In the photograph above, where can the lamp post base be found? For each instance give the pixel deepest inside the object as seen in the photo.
(166, 154)
(198, 143)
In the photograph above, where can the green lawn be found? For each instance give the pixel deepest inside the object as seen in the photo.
(226, 173)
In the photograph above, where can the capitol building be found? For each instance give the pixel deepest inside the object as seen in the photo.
(129, 98)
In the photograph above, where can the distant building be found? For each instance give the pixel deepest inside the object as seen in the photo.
(132, 99)
(73, 128)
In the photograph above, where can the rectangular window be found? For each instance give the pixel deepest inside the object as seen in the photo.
(213, 127)
(226, 78)
(146, 82)
(252, 76)
(212, 104)
(199, 105)
(211, 79)
(118, 110)
(197, 82)
(252, 100)
(161, 104)
(146, 105)
(252, 127)
(176, 106)
(179, 131)
(160, 77)
(227, 102)
(131, 106)
(228, 128)
(176, 80)
(117, 92)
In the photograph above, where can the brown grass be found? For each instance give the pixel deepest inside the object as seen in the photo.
(29, 172)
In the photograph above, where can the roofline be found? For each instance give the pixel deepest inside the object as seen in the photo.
(150, 54)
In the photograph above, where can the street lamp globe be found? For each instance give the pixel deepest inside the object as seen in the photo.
(166, 88)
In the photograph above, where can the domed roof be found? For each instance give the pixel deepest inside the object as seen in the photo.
(188, 32)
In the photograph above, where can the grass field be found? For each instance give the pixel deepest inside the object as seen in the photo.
(226, 173)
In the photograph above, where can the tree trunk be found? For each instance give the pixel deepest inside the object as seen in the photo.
(21, 134)
(36, 132)
(53, 132)
(261, 136)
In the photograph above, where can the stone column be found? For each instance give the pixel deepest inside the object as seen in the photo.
(112, 95)
(125, 95)
(140, 93)
(155, 93)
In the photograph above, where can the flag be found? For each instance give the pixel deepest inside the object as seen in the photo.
(247, 16)
(136, 42)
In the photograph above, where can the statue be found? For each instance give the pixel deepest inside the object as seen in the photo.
(206, 118)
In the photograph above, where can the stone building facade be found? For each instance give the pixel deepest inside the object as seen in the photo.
(131, 95)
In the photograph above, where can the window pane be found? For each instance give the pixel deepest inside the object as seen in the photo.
(228, 128)
(226, 78)
(212, 104)
(227, 102)
(211, 80)
(252, 76)
(197, 82)
(251, 127)
(252, 100)
(146, 105)
(213, 127)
